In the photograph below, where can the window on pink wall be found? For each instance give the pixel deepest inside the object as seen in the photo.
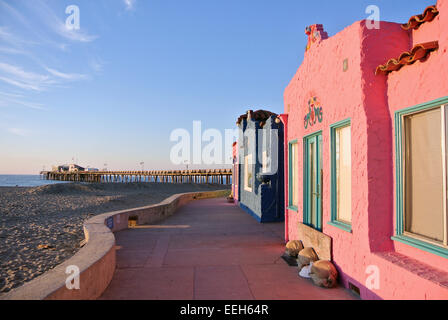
(293, 175)
(343, 175)
(424, 175)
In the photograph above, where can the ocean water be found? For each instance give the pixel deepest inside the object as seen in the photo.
(24, 181)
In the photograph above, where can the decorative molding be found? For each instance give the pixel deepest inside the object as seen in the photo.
(315, 113)
(316, 34)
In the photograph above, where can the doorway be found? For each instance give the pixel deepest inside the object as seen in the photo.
(313, 178)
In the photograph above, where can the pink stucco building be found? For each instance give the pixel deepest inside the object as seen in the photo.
(365, 151)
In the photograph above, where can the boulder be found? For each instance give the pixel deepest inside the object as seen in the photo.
(324, 274)
(294, 247)
(306, 256)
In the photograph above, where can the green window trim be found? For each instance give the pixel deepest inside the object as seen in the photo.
(291, 206)
(422, 245)
(400, 236)
(333, 205)
(341, 225)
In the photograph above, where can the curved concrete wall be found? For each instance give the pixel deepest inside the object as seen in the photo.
(96, 260)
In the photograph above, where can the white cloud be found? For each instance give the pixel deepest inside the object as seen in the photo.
(8, 50)
(21, 85)
(18, 77)
(9, 94)
(12, 39)
(31, 105)
(5, 34)
(8, 99)
(130, 4)
(34, 39)
(48, 17)
(18, 131)
(20, 73)
(67, 76)
(97, 64)
(71, 34)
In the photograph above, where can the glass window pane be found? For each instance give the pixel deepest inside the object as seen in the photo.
(294, 175)
(312, 183)
(343, 174)
(248, 173)
(265, 163)
(424, 175)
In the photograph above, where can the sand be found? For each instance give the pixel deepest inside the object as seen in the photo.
(41, 227)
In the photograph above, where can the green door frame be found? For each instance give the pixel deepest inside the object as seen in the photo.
(317, 192)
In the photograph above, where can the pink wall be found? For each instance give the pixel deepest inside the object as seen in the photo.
(365, 98)
(419, 83)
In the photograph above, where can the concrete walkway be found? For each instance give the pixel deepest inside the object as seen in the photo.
(209, 249)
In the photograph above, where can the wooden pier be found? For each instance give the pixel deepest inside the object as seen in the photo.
(214, 176)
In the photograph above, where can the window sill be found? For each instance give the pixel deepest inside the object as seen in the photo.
(292, 208)
(341, 225)
(416, 267)
(422, 245)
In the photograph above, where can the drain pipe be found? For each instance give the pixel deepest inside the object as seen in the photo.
(284, 119)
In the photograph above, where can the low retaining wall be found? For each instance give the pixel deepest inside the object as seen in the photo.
(96, 260)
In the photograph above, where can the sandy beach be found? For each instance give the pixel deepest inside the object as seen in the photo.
(41, 227)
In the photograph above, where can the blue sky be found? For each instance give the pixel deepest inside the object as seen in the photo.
(113, 91)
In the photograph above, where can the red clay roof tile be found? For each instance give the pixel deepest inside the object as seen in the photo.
(416, 21)
(419, 52)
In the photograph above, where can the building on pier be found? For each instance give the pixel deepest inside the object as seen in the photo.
(68, 168)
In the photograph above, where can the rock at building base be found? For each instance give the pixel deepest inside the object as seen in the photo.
(305, 257)
(294, 247)
(324, 274)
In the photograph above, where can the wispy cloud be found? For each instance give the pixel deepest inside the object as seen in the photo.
(34, 32)
(8, 50)
(12, 39)
(31, 105)
(18, 131)
(20, 84)
(67, 76)
(58, 25)
(97, 64)
(9, 99)
(71, 34)
(5, 34)
(18, 77)
(130, 4)
(9, 94)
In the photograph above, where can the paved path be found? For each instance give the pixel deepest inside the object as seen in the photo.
(209, 249)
